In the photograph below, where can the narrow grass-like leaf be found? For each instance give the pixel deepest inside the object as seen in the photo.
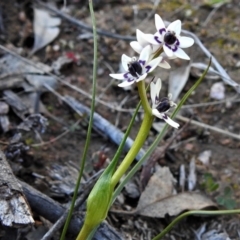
(83, 159)
(194, 213)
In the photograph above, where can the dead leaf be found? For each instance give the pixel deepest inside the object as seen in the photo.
(45, 29)
(157, 199)
(177, 81)
(176, 204)
(160, 185)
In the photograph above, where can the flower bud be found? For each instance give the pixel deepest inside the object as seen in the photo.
(99, 200)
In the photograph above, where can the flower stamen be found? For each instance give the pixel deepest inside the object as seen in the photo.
(135, 68)
(164, 105)
(170, 37)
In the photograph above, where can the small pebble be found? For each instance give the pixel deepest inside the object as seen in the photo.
(217, 91)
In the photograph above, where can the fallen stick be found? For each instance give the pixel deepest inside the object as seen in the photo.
(52, 211)
(14, 209)
(102, 125)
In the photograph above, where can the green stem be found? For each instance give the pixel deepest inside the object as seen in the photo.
(83, 235)
(140, 139)
(143, 95)
(190, 213)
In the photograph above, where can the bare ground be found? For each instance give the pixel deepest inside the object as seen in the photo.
(220, 35)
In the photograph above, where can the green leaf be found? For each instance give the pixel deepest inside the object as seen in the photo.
(209, 184)
(230, 204)
(226, 199)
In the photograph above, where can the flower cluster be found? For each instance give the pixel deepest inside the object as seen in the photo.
(154, 50)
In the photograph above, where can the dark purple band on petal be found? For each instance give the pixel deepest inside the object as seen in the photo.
(164, 116)
(168, 46)
(147, 68)
(142, 62)
(126, 75)
(157, 39)
(162, 30)
(175, 48)
(131, 79)
(177, 42)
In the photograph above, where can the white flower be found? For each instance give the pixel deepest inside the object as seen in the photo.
(170, 38)
(136, 70)
(141, 42)
(161, 106)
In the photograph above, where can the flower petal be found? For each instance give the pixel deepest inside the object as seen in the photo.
(125, 61)
(168, 51)
(136, 46)
(152, 38)
(142, 77)
(181, 54)
(152, 64)
(153, 92)
(169, 121)
(118, 76)
(164, 64)
(165, 57)
(141, 38)
(175, 26)
(159, 22)
(154, 48)
(156, 113)
(185, 42)
(126, 83)
(158, 87)
(144, 55)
